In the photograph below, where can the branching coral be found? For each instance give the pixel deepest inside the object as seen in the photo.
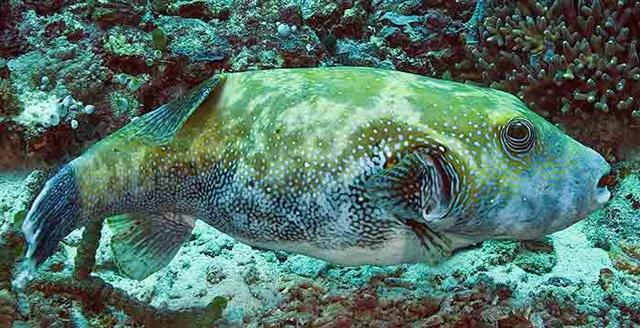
(565, 57)
(95, 294)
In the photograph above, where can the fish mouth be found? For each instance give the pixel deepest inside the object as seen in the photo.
(602, 193)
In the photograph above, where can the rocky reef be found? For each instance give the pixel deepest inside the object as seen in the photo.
(73, 71)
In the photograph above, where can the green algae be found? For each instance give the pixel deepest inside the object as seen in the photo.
(160, 39)
(118, 44)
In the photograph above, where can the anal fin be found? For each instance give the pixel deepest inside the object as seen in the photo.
(145, 243)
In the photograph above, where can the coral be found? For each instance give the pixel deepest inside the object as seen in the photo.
(622, 291)
(537, 258)
(45, 7)
(618, 222)
(112, 12)
(9, 103)
(11, 42)
(561, 308)
(202, 9)
(332, 20)
(309, 303)
(95, 294)
(305, 266)
(100, 63)
(627, 258)
(11, 248)
(572, 61)
(533, 257)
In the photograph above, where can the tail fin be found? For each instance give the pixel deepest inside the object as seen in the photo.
(53, 215)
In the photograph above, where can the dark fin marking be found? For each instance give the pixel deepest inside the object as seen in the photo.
(403, 187)
(143, 244)
(53, 215)
(430, 238)
(162, 124)
(406, 189)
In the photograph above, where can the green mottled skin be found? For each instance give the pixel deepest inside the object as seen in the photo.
(298, 133)
(303, 118)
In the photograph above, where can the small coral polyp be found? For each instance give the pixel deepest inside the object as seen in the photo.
(573, 56)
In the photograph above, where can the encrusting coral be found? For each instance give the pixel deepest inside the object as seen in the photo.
(577, 59)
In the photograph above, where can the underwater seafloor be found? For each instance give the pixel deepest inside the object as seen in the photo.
(72, 71)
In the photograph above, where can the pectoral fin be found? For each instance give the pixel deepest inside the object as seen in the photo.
(407, 190)
(144, 244)
(404, 187)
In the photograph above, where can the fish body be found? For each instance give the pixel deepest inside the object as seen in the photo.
(351, 165)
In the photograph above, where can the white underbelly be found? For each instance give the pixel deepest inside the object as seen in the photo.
(403, 249)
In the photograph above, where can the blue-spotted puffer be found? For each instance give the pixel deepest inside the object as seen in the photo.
(351, 165)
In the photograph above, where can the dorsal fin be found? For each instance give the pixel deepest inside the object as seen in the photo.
(161, 125)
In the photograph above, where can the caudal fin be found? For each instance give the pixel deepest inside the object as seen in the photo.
(53, 215)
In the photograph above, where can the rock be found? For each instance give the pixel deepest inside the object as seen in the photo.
(306, 266)
(215, 275)
(202, 9)
(292, 15)
(89, 109)
(9, 103)
(109, 13)
(536, 263)
(45, 7)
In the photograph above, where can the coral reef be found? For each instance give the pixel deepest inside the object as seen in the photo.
(125, 58)
(572, 61)
(575, 63)
(71, 72)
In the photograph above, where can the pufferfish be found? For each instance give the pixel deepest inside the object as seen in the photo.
(347, 164)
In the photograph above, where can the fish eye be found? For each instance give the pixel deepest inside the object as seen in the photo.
(518, 136)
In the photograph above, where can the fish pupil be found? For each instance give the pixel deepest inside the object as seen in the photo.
(518, 136)
(518, 131)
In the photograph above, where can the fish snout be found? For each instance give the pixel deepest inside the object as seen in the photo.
(584, 192)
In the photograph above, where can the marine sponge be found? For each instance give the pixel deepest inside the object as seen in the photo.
(565, 58)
